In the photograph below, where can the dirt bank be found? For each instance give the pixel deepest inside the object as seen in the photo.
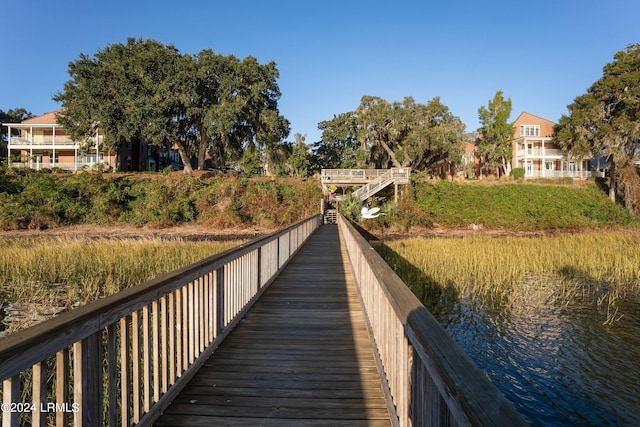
(187, 232)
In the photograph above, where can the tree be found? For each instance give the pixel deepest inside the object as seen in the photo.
(11, 116)
(606, 121)
(299, 159)
(147, 92)
(433, 134)
(496, 134)
(398, 134)
(339, 147)
(276, 158)
(235, 107)
(250, 161)
(124, 91)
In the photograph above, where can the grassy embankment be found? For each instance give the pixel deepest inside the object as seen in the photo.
(40, 200)
(515, 206)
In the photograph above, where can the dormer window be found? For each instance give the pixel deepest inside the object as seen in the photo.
(530, 130)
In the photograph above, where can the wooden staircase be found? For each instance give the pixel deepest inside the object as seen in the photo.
(372, 181)
(378, 184)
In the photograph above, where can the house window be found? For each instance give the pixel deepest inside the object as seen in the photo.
(529, 130)
(53, 160)
(92, 158)
(548, 166)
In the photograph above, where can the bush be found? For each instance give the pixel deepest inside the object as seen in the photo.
(517, 173)
(39, 200)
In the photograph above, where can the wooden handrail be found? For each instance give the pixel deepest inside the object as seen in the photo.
(432, 380)
(121, 360)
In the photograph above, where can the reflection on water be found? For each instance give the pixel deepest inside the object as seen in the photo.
(555, 360)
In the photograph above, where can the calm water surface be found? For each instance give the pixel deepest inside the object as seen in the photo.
(555, 361)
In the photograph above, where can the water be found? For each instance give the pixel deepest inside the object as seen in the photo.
(556, 361)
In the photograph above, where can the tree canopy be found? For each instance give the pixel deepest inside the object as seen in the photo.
(382, 134)
(147, 92)
(16, 115)
(496, 134)
(606, 121)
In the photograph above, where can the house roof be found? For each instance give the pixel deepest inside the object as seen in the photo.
(529, 116)
(45, 119)
(546, 126)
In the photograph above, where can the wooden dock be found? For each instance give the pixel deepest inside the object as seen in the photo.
(301, 356)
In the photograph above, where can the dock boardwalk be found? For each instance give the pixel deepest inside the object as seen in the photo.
(301, 356)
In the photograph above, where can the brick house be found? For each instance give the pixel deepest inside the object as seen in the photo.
(535, 150)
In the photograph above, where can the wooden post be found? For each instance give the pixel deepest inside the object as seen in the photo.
(112, 373)
(88, 381)
(62, 385)
(11, 394)
(219, 291)
(173, 352)
(163, 341)
(146, 360)
(125, 376)
(39, 398)
(135, 371)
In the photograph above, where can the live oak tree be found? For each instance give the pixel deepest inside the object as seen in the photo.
(339, 147)
(606, 121)
(146, 92)
(122, 91)
(381, 134)
(235, 107)
(496, 134)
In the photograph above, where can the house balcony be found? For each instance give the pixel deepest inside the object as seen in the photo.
(563, 174)
(17, 142)
(540, 153)
(64, 166)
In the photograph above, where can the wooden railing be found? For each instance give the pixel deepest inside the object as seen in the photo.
(122, 359)
(398, 176)
(431, 379)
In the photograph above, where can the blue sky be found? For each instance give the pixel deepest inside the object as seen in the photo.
(330, 53)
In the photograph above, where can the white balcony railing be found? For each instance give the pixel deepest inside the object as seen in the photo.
(562, 174)
(49, 141)
(538, 152)
(63, 166)
(39, 166)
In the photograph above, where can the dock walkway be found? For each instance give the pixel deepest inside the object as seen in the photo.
(301, 356)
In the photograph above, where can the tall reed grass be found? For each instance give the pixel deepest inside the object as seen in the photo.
(63, 272)
(603, 264)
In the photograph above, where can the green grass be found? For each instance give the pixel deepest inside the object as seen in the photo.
(519, 206)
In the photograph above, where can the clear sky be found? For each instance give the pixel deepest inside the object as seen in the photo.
(330, 53)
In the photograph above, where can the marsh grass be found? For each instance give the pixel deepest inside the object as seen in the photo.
(604, 266)
(46, 275)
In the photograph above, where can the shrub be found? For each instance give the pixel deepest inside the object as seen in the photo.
(517, 173)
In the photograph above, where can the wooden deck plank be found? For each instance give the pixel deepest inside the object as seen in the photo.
(301, 356)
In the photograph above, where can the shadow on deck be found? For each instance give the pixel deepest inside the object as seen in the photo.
(301, 356)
